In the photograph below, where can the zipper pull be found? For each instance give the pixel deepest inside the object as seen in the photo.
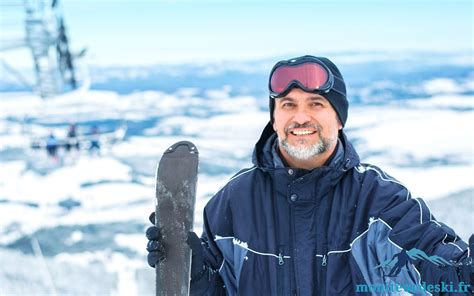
(324, 263)
(280, 259)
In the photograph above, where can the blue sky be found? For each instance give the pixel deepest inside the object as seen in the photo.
(146, 32)
(156, 31)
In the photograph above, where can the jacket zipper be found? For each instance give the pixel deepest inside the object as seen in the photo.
(323, 273)
(280, 257)
(323, 259)
(280, 272)
(293, 269)
(281, 261)
(321, 244)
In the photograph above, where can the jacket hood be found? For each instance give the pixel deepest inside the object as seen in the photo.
(263, 157)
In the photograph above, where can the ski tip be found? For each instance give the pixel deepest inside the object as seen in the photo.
(191, 148)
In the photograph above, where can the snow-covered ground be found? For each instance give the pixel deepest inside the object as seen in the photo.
(87, 209)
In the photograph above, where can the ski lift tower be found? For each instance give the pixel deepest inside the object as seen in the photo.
(45, 36)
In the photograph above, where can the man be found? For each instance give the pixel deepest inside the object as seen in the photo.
(308, 218)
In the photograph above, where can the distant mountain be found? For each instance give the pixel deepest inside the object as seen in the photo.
(372, 77)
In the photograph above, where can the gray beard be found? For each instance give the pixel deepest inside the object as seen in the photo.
(302, 152)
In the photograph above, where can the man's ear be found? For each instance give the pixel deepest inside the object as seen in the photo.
(274, 124)
(339, 124)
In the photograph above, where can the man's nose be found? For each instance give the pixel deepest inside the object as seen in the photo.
(301, 116)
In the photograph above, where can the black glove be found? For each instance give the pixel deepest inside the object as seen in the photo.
(156, 251)
(466, 266)
(198, 268)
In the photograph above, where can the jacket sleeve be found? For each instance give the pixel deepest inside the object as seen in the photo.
(404, 244)
(436, 247)
(217, 220)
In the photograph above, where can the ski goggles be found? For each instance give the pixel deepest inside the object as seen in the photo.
(307, 72)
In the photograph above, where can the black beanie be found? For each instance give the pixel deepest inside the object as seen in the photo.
(337, 100)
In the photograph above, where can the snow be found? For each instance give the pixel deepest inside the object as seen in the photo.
(132, 241)
(425, 143)
(445, 85)
(75, 237)
(455, 102)
(434, 183)
(410, 131)
(61, 183)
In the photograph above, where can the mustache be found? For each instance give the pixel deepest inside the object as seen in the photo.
(315, 126)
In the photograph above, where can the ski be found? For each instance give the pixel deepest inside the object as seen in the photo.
(176, 181)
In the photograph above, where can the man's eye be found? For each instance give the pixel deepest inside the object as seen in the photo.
(287, 105)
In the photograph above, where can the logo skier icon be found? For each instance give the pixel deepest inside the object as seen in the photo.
(403, 259)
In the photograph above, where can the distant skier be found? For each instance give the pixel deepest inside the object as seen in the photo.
(94, 147)
(52, 145)
(71, 141)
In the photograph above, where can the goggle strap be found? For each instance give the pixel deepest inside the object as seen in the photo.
(338, 85)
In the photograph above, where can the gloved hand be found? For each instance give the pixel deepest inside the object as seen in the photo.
(156, 251)
(466, 266)
(198, 268)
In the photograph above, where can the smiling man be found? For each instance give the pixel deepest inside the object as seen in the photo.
(309, 218)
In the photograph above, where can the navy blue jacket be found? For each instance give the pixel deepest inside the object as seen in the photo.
(334, 230)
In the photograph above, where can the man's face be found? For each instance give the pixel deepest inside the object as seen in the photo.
(306, 124)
